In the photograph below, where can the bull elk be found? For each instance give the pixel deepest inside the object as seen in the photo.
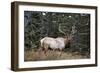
(58, 43)
(54, 43)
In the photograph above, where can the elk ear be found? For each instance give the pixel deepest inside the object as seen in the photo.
(66, 36)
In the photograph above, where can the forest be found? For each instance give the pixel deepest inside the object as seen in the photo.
(39, 24)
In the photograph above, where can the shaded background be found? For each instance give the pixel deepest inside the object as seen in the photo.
(38, 25)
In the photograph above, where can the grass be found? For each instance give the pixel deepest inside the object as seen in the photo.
(36, 55)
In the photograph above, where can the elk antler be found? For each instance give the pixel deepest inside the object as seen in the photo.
(73, 30)
(61, 30)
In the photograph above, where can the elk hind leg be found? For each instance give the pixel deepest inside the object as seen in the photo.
(60, 52)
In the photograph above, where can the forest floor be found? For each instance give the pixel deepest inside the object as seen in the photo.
(33, 55)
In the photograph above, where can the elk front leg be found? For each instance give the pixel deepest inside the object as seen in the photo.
(45, 50)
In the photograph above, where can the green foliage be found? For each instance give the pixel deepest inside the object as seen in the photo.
(38, 25)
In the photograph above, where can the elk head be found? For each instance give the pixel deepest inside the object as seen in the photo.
(68, 37)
